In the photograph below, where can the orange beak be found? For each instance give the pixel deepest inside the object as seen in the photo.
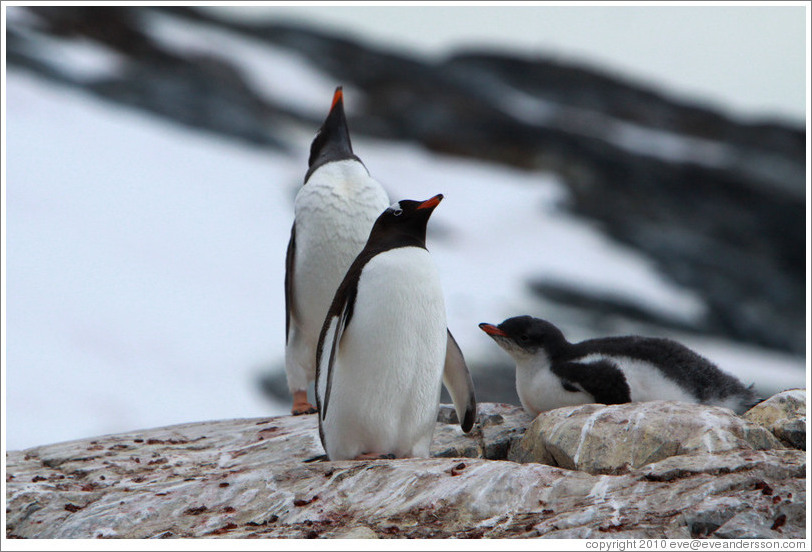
(490, 329)
(433, 202)
(337, 97)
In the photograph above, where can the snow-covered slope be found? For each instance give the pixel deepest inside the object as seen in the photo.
(145, 264)
(144, 268)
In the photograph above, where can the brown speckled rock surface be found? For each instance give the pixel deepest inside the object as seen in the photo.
(248, 478)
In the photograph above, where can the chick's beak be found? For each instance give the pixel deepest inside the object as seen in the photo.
(492, 330)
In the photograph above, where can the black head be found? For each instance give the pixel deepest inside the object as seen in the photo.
(523, 336)
(403, 224)
(332, 143)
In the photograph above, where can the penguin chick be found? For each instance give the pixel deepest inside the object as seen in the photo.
(551, 372)
(334, 212)
(384, 348)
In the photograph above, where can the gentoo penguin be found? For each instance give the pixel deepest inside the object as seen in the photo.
(552, 372)
(334, 212)
(385, 348)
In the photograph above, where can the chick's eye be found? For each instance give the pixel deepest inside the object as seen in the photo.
(397, 212)
(524, 338)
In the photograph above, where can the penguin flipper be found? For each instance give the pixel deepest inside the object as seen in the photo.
(329, 339)
(290, 258)
(568, 386)
(457, 379)
(601, 379)
(338, 316)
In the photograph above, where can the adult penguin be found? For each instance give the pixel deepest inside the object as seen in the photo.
(385, 348)
(334, 212)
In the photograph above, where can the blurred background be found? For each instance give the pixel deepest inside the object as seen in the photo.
(611, 169)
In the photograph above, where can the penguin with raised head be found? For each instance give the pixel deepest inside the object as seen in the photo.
(385, 348)
(334, 212)
(551, 372)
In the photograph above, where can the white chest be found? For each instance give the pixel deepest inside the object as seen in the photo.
(341, 190)
(388, 371)
(335, 211)
(399, 309)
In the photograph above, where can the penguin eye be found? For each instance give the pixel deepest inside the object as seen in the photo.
(397, 212)
(524, 338)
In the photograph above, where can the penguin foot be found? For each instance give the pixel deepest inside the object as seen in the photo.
(374, 456)
(301, 405)
(303, 409)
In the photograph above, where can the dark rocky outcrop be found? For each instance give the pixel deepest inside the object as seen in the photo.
(717, 204)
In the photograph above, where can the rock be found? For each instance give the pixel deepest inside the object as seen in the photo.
(785, 415)
(498, 427)
(358, 532)
(248, 478)
(746, 525)
(613, 439)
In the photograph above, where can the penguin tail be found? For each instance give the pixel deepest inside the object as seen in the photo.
(319, 458)
(753, 402)
(750, 398)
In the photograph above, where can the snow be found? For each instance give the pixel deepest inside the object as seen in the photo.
(283, 77)
(145, 263)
